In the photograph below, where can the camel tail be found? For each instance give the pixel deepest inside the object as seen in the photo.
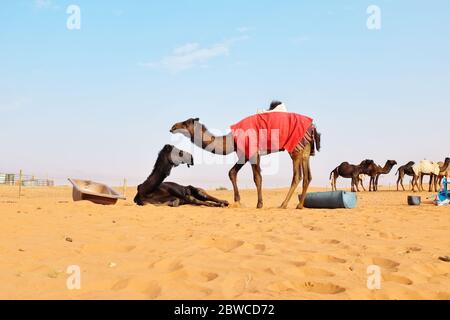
(317, 139)
(333, 174)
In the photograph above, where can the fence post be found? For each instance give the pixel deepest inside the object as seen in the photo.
(20, 183)
(124, 192)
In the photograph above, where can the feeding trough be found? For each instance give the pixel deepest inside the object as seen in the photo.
(95, 192)
(331, 200)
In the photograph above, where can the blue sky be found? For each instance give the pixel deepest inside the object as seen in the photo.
(98, 102)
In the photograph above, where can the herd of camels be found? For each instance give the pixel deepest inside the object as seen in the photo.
(436, 170)
(155, 191)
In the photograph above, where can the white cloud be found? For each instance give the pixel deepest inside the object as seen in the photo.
(14, 105)
(300, 40)
(193, 54)
(243, 29)
(43, 3)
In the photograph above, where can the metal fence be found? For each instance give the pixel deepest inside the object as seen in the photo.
(12, 179)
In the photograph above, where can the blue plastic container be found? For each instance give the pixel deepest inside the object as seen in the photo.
(331, 200)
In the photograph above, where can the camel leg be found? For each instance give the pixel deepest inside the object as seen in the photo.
(233, 177)
(296, 178)
(189, 199)
(334, 180)
(362, 184)
(354, 184)
(307, 177)
(435, 183)
(415, 183)
(257, 177)
(331, 180)
(376, 182)
(400, 181)
(201, 195)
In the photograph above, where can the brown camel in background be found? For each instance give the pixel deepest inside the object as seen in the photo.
(443, 174)
(374, 171)
(382, 170)
(350, 171)
(402, 171)
(224, 145)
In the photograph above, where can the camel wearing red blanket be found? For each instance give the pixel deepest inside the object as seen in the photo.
(272, 132)
(259, 135)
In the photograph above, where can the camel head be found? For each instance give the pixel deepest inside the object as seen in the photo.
(446, 164)
(391, 163)
(176, 156)
(186, 128)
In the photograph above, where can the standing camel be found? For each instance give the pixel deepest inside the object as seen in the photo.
(433, 169)
(228, 144)
(385, 170)
(375, 171)
(443, 174)
(407, 169)
(354, 172)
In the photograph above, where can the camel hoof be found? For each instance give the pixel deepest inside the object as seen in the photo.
(300, 207)
(259, 206)
(283, 206)
(236, 205)
(175, 203)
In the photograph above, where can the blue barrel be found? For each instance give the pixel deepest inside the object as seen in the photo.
(331, 200)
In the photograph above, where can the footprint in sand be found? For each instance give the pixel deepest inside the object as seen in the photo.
(385, 263)
(168, 265)
(389, 235)
(316, 272)
(330, 241)
(225, 244)
(153, 290)
(260, 247)
(397, 279)
(209, 276)
(120, 285)
(328, 258)
(298, 264)
(323, 288)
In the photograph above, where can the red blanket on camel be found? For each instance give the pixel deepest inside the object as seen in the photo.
(270, 132)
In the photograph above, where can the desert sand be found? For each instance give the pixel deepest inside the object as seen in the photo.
(129, 252)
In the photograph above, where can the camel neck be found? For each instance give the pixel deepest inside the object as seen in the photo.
(160, 172)
(204, 139)
(387, 167)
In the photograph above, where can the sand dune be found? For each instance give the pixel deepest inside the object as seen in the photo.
(128, 252)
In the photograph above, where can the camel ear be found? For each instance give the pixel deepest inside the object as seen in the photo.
(196, 119)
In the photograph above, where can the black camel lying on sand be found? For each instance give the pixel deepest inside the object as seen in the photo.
(157, 192)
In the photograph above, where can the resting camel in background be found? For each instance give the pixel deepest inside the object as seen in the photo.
(225, 145)
(427, 167)
(155, 191)
(350, 171)
(375, 171)
(407, 170)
